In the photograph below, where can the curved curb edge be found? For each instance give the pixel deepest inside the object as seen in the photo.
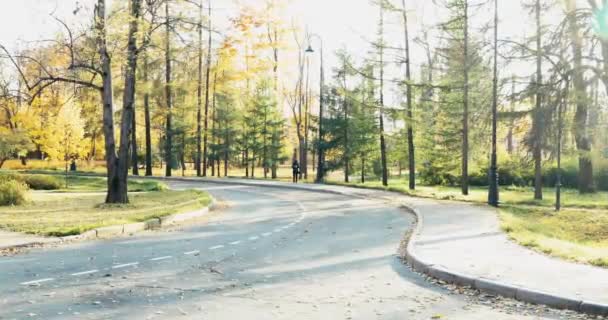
(491, 286)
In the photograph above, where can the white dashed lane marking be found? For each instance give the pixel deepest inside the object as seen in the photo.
(120, 266)
(132, 264)
(161, 258)
(36, 281)
(85, 272)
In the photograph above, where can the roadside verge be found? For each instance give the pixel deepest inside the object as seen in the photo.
(117, 230)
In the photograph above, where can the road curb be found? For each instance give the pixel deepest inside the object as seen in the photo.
(494, 287)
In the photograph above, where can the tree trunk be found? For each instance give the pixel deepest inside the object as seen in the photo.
(510, 147)
(128, 99)
(346, 146)
(581, 132)
(199, 94)
(381, 117)
(134, 159)
(207, 74)
(410, 113)
(117, 191)
(147, 121)
(168, 96)
(465, 119)
(537, 121)
(216, 157)
(362, 168)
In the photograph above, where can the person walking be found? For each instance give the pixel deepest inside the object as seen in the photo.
(295, 167)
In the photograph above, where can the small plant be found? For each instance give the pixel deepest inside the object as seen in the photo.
(13, 193)
(41, 182)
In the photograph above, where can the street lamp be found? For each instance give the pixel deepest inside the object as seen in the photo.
(320, 149)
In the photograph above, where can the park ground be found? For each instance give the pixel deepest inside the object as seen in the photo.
(532, 223)
(79, 207)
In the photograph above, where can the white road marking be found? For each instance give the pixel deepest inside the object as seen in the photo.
(120, 266)
(277, 230)
(189, 253)
(267, 234)
(216, 247)
(161, 258)
(84, 273)
(36, 281)
(234, 243)
(253, 238)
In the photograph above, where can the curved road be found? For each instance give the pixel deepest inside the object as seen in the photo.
(268, 254)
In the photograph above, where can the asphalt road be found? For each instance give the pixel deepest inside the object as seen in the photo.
(265, 254)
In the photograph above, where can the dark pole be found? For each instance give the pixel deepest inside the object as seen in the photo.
(320, 147)
(493, 192)
(558, 182)
(206, 127)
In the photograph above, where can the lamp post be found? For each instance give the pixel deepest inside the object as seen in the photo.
(320, 148)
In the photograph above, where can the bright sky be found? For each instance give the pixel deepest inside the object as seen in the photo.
(341, 23)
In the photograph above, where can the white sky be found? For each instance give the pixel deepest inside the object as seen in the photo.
(341, 23)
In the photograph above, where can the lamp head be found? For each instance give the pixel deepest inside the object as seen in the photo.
(309, 49)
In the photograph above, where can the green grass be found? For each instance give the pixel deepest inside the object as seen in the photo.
(94, 182)
(61, 214)
(579, 232)
(98, 184)
(575, 234)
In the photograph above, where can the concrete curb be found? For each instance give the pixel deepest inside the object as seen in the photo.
(124, 229)
(441, 273)
(495, 287)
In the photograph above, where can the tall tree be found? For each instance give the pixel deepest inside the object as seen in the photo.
(168, 95)
(537, 115)
(380, 46)
(410, 114)
(128, 101)
(493, 189)
(199, 93)
(207, 76)
(464, 183)
(581, 131)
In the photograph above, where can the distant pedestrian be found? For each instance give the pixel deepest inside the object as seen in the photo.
(295, 167)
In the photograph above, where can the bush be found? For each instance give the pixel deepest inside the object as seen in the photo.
(432, 174)
(13, 193)
(41, 182)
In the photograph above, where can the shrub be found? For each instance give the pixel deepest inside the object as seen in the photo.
(41, 182)
(13, 193)
(6, 176)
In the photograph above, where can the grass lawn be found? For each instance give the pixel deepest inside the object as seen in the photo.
(96, 184)
(579, 232)
(80, 207)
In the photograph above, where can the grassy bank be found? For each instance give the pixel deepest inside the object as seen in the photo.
(579, 232)
(80, 207)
